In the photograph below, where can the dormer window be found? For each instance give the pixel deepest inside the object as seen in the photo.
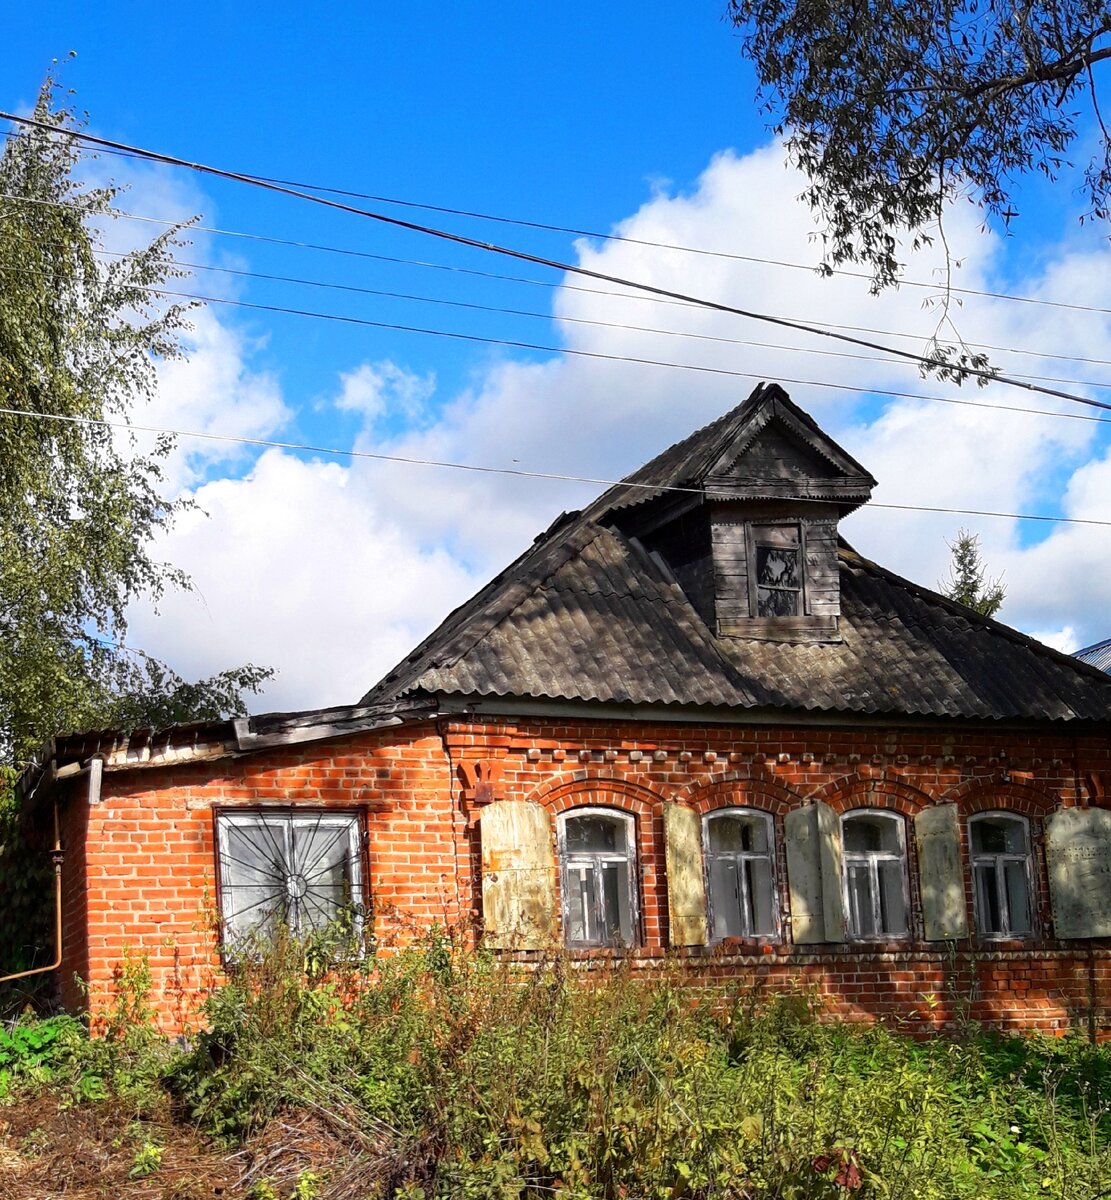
(775, 573)
(752, 541)
(778, 578)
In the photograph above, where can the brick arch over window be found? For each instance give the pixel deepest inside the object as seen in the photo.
(741, 789)
(598, 788)
(985, 795)
(873, 791)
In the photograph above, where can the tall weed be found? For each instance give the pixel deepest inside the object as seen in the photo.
(464, 1076)
(445, 1072)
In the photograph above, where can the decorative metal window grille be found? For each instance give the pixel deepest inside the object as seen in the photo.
(740, 871)
(1001, 875)
(875, 874)
(598, 877)
(300, 869)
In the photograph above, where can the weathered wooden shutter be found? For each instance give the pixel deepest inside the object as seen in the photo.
(940, 874)
(1078, 855)
(813, 840)
(686, 879)
(518, 875)
(829, 847)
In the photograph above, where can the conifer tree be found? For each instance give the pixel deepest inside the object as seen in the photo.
(966, 583)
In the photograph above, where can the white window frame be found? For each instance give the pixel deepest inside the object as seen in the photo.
(740, 856)
(998, 861)
(872, 859)
(594, 859)
(291, 887)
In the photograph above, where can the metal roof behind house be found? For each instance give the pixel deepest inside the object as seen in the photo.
(1098, 655)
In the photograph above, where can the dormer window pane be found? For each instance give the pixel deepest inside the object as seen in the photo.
(778, 570)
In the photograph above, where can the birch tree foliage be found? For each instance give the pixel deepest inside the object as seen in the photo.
(80, 336)
(894, 109)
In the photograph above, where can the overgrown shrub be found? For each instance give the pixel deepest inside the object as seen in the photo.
(470, 1077)
(447, 1073)
(37, 1051)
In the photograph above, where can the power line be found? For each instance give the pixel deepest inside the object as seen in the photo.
(517, 312)
(544, 316)
(408, 460)
(525, 223)
(517, 344)
(543, 283)
(541, 260)
(543, 348)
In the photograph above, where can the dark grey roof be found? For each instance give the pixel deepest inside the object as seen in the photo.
(696, 462)
(587, 614)
(1098, 655)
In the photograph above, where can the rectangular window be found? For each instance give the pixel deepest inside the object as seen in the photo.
(875, 874)
(1001, 874)
(298, 869)
(738, 852)
(597, 877)
(778, 570)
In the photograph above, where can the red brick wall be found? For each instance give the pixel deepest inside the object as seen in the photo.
(148, 873)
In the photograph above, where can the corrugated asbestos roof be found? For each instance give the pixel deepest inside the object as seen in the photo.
(587, 614)
(605, 622)
(1098, 655)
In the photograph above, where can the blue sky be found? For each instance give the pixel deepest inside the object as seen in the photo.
(638, 118)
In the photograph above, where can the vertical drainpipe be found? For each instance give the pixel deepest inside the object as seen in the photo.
(57, 856)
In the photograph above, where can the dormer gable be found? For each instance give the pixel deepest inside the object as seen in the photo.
(747, 521)
(779, 452)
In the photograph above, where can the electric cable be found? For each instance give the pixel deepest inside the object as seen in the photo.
(544, 283)
(541, 260)
(520, 472)
(524, 223)
(471, 305)
(517, 344)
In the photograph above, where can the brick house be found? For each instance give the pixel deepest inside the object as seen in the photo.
(688, 720)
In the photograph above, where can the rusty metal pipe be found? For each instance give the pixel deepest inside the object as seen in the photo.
(56, 855)
(96, 773)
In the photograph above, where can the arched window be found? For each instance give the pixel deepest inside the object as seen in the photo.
(875, 874)
(740, 873)
(597, 863)
(1001, 876)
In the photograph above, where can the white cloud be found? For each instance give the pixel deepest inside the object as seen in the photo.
(214, 391)
(1064, 639)
(373, 389)
(294, 569)
(333, 572)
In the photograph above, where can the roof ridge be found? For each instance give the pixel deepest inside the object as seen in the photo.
(605, 503)
(989, 624)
